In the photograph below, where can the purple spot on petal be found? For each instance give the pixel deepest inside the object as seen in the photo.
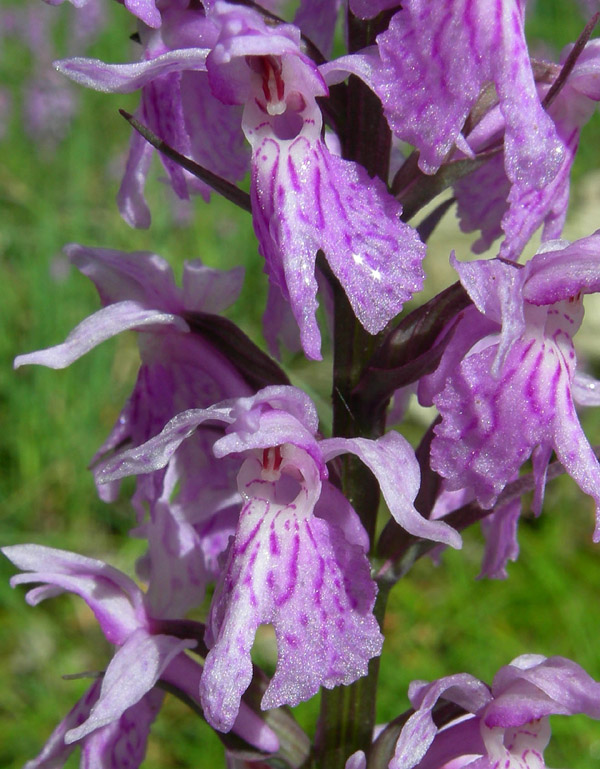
(241, 549)
(274, 544)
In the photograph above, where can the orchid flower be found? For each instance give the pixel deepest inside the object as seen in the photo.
(298, 559)
(176, 104)
(181, 367)
(506, 725)
(506, 384)
(304, 198)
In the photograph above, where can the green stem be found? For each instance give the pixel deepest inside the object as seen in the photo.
(352, 348)
(347, 715)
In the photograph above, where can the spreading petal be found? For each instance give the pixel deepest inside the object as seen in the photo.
(115, 599)
(155, 453)
(99, 327)
(126, 78)
(392, 461)
(132, 673)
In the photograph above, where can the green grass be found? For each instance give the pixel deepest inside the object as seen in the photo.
(441, 620)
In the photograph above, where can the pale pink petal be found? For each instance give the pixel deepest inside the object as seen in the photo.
(125, 78)
(114, 598)
(99, 327)
(132, 673)
(393, 462)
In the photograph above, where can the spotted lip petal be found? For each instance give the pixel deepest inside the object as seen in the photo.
(436, 58)
(306, 199)
(490, 425)
(486, 198)
(299, 573)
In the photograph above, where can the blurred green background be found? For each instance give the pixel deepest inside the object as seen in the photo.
(441, 619)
